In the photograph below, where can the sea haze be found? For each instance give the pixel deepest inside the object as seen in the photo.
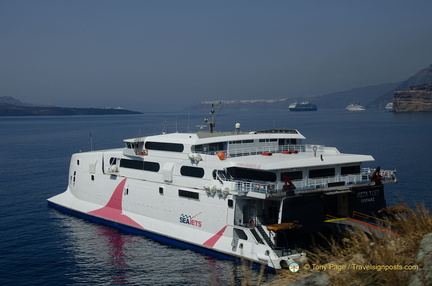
(42, 246)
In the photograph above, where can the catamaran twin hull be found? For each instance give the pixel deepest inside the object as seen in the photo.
(233, 195)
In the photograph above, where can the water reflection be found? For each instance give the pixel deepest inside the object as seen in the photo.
(116, 256)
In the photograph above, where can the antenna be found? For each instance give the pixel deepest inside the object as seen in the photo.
(189, 120)
(212, 123)
(165, 129)
(91, 142)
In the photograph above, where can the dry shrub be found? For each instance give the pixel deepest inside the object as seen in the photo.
(398, 245)
(247, 273)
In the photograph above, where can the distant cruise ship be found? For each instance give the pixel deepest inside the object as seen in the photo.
(355, 107)
(303, 106)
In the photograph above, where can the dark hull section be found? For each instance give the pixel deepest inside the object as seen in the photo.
(312, 210)
(307, 210)
(362, 200)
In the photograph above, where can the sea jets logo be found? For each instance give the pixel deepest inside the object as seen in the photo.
(294, 267)
(187, 219)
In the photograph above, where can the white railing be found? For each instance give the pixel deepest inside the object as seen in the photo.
(388, 176)
(264, 188)
(315, 183)
(236, 152)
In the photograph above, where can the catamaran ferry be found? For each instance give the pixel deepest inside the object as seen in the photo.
(235, 195)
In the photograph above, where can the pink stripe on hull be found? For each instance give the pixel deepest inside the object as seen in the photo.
(114, 207)
(212, 240)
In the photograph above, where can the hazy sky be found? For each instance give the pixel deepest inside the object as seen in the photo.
(166, 55)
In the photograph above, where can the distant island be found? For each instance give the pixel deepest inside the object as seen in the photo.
(10, 106)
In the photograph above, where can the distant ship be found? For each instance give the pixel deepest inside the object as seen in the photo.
(389, 106)
(303, 106)
(355, 107)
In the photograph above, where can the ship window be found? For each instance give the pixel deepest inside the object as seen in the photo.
(199, 148)
(287, 141)
(162, 146)
(132, 164)
(140, 165)
(294, 175)
(239, 233)
(161, 190)
(77, 162)
(268, 140)
(151, 166)
(216, 146)
(113, 161)
(328, 172)
(92, 177)
(250, 174)
(350, 170)
(230, 203)
(187, 194)
(192, 171)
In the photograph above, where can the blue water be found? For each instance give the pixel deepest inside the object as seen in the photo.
(41, 246)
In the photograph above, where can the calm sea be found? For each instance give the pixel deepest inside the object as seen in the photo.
(41, 246)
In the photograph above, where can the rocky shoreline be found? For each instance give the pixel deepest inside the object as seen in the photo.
(415, 99)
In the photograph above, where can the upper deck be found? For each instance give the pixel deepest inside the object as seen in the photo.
(235, 143)
(265, 158)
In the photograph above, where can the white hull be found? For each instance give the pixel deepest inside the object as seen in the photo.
(136, 203)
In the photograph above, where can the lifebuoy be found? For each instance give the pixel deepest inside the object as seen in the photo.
(257, 186)
(251, 223)
(145, 152)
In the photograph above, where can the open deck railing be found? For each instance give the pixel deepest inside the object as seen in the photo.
(236, 152)
(316, 183)
(256, 150)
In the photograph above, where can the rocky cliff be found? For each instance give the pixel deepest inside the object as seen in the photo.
(423, 76)
(415, 99)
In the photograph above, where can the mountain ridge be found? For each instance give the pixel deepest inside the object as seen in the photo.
(374, 96)
(338, 99)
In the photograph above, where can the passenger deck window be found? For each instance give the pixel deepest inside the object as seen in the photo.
(294, 175)
(251, 174)
(350, 170)
(162, 146)
(188, 194)
(140, 165)
(328, 172)
(189, 171)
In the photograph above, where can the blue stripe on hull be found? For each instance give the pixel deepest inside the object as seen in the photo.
(157, 237)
